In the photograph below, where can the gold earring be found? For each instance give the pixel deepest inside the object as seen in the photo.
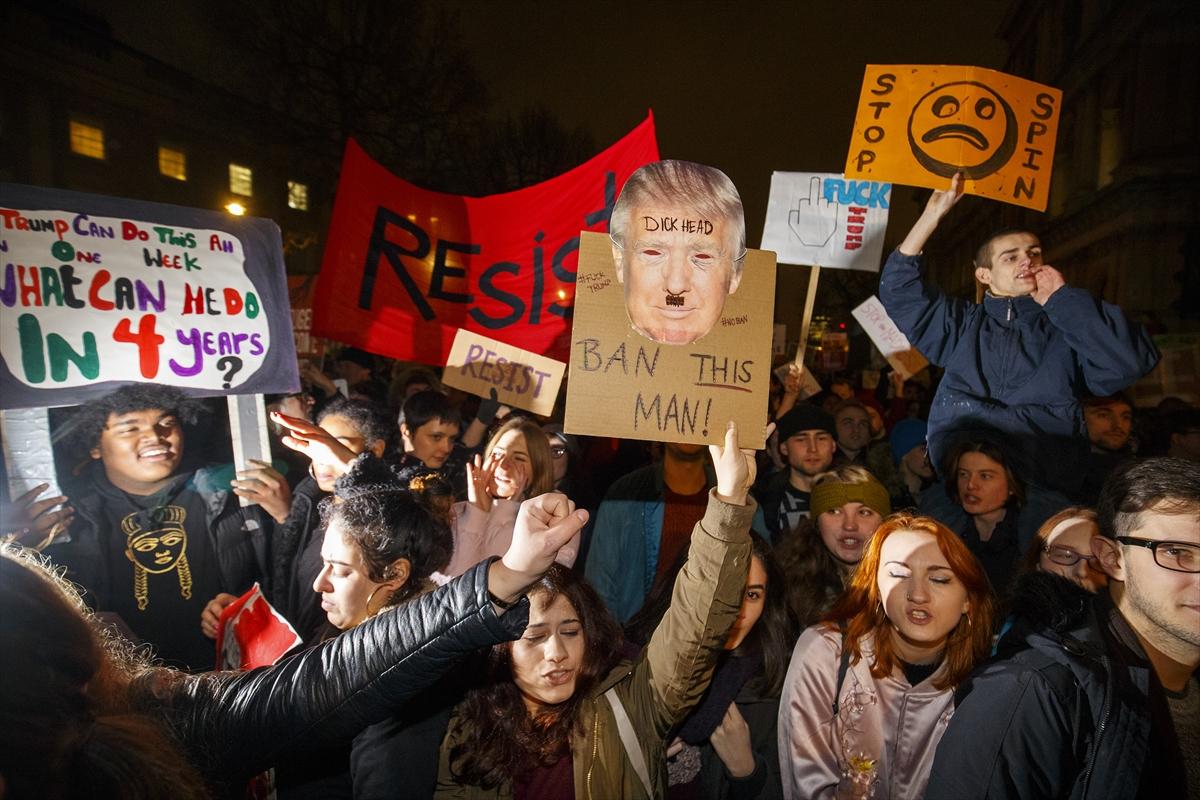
(371, 597)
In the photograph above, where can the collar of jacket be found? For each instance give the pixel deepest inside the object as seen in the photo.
(1008, 309)
(660, 481)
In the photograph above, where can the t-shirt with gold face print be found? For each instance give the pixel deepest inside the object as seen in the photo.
(162, 568)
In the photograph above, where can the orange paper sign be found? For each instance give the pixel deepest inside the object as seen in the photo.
(919, 125)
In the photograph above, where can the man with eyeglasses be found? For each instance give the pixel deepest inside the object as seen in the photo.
(1099, 697)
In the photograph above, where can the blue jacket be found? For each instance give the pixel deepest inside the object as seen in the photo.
(1017, 367)
(624, 552)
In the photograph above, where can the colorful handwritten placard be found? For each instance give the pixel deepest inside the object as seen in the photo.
(918, 125)
(826, 220)
(98, 291)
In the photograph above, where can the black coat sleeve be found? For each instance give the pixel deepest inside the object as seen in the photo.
(234, 725)
(1014, 735)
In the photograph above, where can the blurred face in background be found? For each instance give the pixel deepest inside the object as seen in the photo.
(346, 432)
(1067, 551)
(982, 484)
(854, 428)
(1109, 426)
(847, 529)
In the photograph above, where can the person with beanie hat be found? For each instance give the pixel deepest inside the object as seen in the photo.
(818, 557)
(912, 461)
(807, 443)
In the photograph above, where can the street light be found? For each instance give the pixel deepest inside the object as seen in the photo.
(235, 208)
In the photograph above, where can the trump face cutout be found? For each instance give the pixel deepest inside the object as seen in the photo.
(679, 237)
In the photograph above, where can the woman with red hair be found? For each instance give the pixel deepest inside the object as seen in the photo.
(870, 689)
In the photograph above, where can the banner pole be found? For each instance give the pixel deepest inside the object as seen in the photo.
(813, 276)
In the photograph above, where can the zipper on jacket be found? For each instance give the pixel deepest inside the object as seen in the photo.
(595, 750)
(1104, 714)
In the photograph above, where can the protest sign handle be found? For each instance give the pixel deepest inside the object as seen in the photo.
(806, 320)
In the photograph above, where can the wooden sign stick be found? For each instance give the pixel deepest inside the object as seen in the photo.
(813, 277)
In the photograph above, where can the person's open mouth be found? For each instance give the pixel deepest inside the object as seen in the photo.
(155, 453)
(918, 616)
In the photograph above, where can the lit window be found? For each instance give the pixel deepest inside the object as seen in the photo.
(172, 163)
(241, 180)
(298, 196)
(87, 140)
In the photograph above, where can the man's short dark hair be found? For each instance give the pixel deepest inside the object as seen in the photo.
(1165, 485)
(428, 405)
(89, 422)
(1182, 421)
(983, 254)
(1094, 401)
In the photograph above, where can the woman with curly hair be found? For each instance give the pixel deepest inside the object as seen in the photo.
(560, 714)
(296, 556)
(380, 545)
(819, 555)
(871, 688)
(84, 715)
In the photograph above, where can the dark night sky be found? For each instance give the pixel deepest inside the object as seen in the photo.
(746, 87)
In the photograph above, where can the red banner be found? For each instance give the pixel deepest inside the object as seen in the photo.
(405, 268)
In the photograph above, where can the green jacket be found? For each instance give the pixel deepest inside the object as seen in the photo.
(668, 678)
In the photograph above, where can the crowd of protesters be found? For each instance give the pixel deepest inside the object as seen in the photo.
(983, 581)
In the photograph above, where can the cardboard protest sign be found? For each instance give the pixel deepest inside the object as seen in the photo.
(904, 358)
(251, 633)
(99, 291)
(919, 125)
(405, 268)
(521, 379)
(300, 297)
(625, 384)
(817, 218)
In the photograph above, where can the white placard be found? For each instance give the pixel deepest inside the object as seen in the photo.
(818, 218)
(28, 455)
(904, 358)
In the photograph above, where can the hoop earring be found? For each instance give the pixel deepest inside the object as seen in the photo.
(371, 597)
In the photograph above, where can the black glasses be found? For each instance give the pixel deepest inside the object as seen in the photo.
(1176, 556)
(1066, 557)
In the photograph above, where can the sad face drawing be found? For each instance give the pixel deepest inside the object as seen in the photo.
(964, 126)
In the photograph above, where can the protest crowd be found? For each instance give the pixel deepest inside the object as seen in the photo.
(981, 580)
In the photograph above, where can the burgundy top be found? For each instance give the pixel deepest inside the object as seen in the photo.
(680, 515)
(555, 782)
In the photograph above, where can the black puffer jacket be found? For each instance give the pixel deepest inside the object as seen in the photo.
(236, 724)
(1064, 711)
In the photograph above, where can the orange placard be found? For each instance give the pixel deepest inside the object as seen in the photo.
(919, 125)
